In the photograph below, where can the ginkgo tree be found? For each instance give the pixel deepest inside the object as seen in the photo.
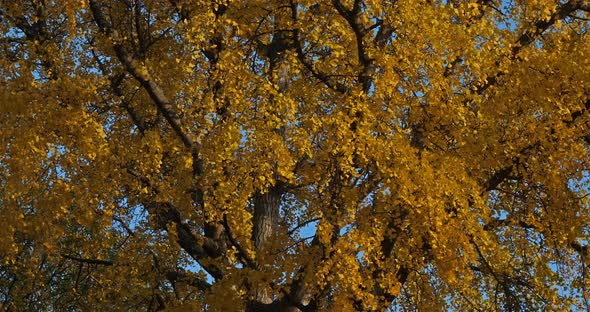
(294, 155)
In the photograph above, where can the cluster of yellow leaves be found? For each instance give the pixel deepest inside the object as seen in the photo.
(412, 153)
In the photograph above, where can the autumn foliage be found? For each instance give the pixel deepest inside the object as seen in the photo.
(294, 155)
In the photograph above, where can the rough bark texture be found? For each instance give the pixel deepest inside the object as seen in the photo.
(267, 204)
(266, 213)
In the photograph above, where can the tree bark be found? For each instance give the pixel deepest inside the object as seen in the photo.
(267, 204)
(266, 216)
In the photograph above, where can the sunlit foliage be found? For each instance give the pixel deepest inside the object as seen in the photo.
(287, 155)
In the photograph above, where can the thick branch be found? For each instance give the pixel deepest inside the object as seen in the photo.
(201, 249)
(140, 73)
(542, 25)
(210, 248)
(529, 37)
(383, 34)
(387, 245)
(582, 250)
(577, 114)
(497, 178)
(241, 251)
(183, 277)
(352, 18)
(308, 64)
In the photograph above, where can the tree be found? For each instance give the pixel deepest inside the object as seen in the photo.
(294, 155)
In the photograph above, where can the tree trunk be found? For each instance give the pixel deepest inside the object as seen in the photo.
(266, 216)
(266, 205)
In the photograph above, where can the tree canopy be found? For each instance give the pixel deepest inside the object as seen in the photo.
(294, 155)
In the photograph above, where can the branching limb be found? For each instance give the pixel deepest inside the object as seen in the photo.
(141, 74)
